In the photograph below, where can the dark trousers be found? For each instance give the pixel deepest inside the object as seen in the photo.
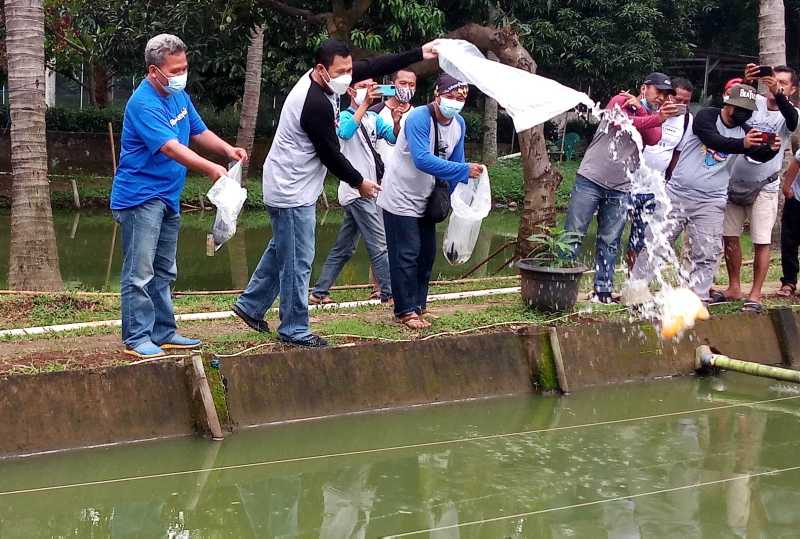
(790, 241)
(411, 242)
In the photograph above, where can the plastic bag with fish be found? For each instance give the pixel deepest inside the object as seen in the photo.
(471, 203)
(228, 195)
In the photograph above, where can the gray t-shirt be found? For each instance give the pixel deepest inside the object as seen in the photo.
(610, 156)
(746, 170)
(702, 174)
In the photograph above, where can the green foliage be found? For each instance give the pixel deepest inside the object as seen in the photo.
(474, 123)
(553, 247)
(88, 120)
(508, 184)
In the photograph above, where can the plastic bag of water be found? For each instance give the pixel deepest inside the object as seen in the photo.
(228, 195)
(471, 203)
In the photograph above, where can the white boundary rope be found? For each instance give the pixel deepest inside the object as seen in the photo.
(393, 448)
(699, 484)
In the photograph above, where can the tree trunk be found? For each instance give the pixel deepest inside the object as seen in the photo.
(772, 52)
(541, 179)
(489, 153)
(101, 83)
(252, 95)
(33, 260)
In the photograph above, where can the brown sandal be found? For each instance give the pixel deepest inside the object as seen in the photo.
(786, 291)
(412, 321)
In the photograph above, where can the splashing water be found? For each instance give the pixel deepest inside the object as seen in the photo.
(675, 307)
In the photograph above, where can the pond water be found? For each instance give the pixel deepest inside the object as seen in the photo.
(686, 458)
(85, 241)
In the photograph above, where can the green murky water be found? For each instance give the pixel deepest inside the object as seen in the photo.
(87, 260)
(678, 458)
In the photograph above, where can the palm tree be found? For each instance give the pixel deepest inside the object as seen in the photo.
(771, 32)
(772, 52)
(33, 260)
(252, 94)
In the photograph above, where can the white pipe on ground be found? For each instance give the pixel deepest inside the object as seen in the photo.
(40, 330)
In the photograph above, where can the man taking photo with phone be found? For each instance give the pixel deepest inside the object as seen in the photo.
(753, 190)
(698, 190)
(359, 132)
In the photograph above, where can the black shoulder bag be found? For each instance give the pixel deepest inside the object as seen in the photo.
(438, 207)
(379, 166)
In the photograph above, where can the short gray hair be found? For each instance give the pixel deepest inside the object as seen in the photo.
(160, 46)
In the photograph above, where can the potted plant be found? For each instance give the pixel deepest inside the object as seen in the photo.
(550, 278)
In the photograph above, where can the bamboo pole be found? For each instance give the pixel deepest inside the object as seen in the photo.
(704, 358)
(116, 225)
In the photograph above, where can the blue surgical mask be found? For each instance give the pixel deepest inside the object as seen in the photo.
(647, 106)
(176, 83)
(450, 107)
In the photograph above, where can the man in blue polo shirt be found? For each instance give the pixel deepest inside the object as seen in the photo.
(145, 198)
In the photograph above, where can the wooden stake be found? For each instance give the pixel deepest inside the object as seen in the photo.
(208, 401)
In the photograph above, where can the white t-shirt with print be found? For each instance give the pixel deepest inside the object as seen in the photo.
(746, 169)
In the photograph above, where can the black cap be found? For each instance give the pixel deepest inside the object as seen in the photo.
(446, 83)
(659, 80)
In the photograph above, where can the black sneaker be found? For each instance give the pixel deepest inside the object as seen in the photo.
(313, 341)
(259, 325)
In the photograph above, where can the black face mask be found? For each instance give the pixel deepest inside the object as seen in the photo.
(740, 116)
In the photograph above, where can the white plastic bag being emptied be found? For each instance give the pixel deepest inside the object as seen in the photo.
(228, 195)
(528, 98)
(471, 203)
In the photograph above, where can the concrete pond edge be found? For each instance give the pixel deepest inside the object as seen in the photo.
(216, 397)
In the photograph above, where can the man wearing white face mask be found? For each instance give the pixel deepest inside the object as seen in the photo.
(430, 147)
(145, 198)
(359, 131)
(304, 149)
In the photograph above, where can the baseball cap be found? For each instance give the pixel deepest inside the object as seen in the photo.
(741, 95)
(733, 82)
(659, 80)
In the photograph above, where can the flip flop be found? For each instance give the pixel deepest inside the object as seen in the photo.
(786, 291)
(412, 321)
(718, 296)
(753, 307)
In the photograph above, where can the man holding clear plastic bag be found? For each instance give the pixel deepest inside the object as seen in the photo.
(408, 185)
(145, 198)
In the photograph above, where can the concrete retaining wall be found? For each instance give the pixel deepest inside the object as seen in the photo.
(298, 384)
(90, 153)
(82, 408)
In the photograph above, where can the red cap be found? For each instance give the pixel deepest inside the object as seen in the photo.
(733, 82)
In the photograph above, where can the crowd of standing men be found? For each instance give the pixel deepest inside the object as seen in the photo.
(388, 159)
(392, 159)
(720, 169)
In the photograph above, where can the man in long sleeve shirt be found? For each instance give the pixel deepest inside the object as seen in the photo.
(359, 131)
(603, 180)
(304, 149)
(409, 182)
(753, 191)
(698, 188)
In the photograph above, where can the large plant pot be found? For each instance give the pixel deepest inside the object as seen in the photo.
(549, 289)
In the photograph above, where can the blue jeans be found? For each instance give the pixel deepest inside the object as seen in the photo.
(640, 205)
(285, 268)
(361, 217)
(149, 247)
(611, 207)
(412, 250)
